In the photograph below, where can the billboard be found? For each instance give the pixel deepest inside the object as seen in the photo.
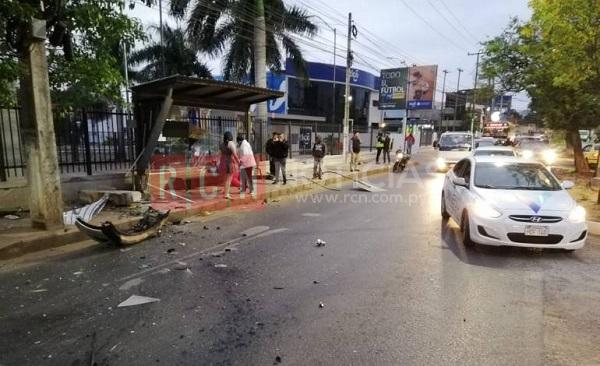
(421, 86)
(392, 92)
(277, 82)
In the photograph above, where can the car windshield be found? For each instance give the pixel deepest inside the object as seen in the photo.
(524, 176)
(482, 143)
(455, 142)
(494, 153)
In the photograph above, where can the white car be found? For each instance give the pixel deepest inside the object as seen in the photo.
(494, 151)
(452, 147)
(514, 202)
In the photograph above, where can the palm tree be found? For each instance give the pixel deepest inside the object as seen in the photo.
(228, 26)
(179, 57)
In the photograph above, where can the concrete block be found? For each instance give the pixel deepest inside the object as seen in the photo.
(117, 198)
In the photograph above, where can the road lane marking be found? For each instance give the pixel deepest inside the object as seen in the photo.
(230, 243)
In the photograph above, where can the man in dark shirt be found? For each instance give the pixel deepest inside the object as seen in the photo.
(386, 148)
(354, 150)
(269, 151)
(280, 152)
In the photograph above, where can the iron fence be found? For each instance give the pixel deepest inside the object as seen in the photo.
(87, 142)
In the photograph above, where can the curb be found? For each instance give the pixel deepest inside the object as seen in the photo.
(593, 227)
(73, 235)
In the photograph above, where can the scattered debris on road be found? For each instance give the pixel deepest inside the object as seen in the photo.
(130, 284)
(135, 300)
(278, 288)
(147, 227)
(220, 265)
(181, 266)
(320, 243)
(278, 359)
(12, 217)
(321, 305)
(316, 282)
(171, 251)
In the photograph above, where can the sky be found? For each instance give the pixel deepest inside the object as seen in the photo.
(422, 32)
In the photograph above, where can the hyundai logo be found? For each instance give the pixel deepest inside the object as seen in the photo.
(535, 219)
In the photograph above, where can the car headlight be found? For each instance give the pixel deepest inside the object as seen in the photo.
(483, 209)
(440, 163)
(577, 215)
(399, 156)
(549, 156)
(527, 154)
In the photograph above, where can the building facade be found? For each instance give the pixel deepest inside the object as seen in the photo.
(320, 97)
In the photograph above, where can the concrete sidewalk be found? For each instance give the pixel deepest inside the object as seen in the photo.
(17, 238)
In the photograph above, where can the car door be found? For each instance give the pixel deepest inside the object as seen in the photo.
(450, 194)
(463, 193)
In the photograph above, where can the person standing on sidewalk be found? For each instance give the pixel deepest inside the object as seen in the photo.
(355, 151)
(387, 146)
(379, 147)
(269, 151)
(229, 161)
(280, 153)
(318, 152)
(410, 141)
(247, 164)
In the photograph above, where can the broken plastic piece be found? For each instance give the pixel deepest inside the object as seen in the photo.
(320, 243)
(135, 300)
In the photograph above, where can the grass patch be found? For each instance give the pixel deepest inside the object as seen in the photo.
(583, 192)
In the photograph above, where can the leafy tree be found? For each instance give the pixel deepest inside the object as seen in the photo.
(555, 57)
(179, 57)
(82, 35)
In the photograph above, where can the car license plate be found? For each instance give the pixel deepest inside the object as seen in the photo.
(536, 230)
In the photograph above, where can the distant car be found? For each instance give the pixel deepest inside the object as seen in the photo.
(514, 202)
(485, 141)
(536, 149)
(452, 147)
(590, 154)
(494, 151)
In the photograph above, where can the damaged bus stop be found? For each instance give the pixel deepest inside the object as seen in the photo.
(155, 101)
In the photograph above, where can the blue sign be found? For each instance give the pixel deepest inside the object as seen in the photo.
(420, 104)
(320, 71)
(277, 82)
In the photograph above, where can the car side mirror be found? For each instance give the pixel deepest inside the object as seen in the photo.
(460, 181)
(567, 184)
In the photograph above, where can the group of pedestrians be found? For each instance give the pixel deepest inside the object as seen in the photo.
(277, 148)
(383, 144)
(237, 156)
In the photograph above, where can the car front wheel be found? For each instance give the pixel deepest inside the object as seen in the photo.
(445, 214)
(466, 231)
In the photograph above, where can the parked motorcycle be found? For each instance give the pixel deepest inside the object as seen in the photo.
(402, 159)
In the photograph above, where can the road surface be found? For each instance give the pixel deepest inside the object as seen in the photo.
(396, 287)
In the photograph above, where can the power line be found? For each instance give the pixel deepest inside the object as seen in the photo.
(459, 32)
(458, 21)
(431, 26)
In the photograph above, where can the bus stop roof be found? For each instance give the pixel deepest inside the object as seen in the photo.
(202, 93)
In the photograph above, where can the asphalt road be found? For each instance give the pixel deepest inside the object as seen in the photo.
(396, 285)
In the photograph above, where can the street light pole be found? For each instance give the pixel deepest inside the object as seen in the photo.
(443, 98)
(456, 98)
(474, 109)
(347, 90)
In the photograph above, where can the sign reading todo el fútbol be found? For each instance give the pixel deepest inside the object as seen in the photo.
(392, 93)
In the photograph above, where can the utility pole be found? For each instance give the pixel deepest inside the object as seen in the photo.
(443, 98)
(473, 109)
(347, 90)
(456, 97)
(260, 57)
(43, 173)
(162, 48)
(334, 76)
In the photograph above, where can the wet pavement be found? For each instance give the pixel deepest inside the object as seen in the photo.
(391, 285)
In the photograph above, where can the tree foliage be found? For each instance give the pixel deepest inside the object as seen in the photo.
(555, 57)
(82, 36)
(179, 57)
(226, 28)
